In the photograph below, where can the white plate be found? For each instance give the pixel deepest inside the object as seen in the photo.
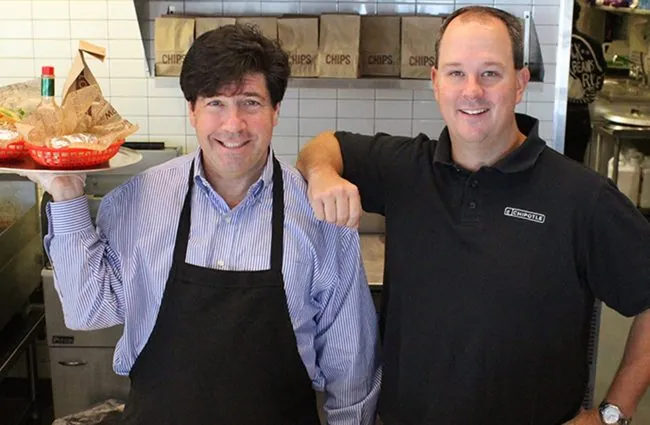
(123, 158)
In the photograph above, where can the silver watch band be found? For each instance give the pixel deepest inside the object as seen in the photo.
(605, 406)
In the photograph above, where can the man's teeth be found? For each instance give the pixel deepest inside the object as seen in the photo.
(232, 145)
(474, 111)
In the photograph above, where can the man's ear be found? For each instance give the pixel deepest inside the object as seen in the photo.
(191, 112)
(523, 77)
(276, 113)
(434, 82)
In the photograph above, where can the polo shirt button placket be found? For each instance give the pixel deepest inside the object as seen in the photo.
(471, 206)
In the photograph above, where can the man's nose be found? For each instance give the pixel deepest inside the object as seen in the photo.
(233, 121)
(473, 88)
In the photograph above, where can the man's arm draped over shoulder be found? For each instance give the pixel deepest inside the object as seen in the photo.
(332, 198)
(344, 170)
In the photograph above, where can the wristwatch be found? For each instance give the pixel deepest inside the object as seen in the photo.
(610, 414)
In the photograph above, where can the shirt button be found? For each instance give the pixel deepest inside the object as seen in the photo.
(474, 184)
(228, 219)
(220, 264)
(472, 205)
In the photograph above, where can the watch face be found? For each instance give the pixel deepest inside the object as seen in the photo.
(611, 415)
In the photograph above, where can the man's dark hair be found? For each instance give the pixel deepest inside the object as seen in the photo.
(226, 55)
(512, 23)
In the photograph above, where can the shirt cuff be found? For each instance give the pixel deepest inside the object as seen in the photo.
(69, 216)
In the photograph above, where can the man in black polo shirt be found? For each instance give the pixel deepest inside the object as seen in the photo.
(496, 247)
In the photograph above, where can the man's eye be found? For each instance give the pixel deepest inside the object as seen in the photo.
(251, 102)
(455, 73)
(490, 74)
(215, 103)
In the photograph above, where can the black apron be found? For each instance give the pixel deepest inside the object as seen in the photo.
(223, 349)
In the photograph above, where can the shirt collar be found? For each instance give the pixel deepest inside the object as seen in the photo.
(256, 188)
(522, 158)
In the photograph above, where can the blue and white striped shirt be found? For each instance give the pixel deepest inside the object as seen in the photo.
(116, 273)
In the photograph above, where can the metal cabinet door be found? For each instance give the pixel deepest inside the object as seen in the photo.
(82, 377)
(59, 335)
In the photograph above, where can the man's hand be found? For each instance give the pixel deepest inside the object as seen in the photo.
(334, 199)
(586, 417)
(62, 187)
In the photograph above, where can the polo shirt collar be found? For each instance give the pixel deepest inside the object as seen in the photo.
(522, 158)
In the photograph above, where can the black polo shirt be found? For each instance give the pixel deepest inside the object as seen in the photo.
(491, 276)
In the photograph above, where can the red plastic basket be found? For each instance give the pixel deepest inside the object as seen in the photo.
(71, 158)
(13, 150)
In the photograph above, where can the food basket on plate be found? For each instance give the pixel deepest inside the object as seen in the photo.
(85, 131)
(72, 158)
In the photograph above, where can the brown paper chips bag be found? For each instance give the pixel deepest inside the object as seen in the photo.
(418, 42)
(338, 52)
(299, 38)
(173, 38)
(380, 46)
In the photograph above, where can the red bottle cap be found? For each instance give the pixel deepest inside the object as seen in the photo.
(47, 70)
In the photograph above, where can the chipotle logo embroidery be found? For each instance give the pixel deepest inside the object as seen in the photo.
(533, 216)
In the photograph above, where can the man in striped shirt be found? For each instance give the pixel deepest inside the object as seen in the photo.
(236, 301)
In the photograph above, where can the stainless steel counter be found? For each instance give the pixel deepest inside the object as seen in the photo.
(372, 251)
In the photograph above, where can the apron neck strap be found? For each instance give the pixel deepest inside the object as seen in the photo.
(183, 232)
(277, 239)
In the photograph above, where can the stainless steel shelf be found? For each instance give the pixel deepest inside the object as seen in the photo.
(359, 83)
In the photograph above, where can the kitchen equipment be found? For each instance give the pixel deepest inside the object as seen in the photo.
(20, 245)
(82, 361)
(603, 148)
(615, 47)
(644, 197)
(633, 116)
(18, 341)
(629, 174)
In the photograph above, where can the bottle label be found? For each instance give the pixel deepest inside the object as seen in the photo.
(47, 87)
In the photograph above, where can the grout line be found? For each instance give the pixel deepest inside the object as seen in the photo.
(108, 64)
(34, 73)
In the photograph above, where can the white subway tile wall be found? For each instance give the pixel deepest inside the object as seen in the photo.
(34, 33)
